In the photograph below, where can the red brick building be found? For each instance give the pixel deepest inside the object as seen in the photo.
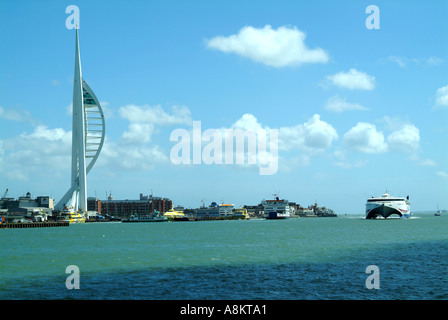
(124, 208)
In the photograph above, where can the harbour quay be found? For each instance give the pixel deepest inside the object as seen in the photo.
(25, 210)
(28, 212)
(17, 225)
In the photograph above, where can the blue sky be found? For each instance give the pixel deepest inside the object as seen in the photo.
(358, 110)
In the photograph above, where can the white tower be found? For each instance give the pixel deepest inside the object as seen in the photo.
(88, 132)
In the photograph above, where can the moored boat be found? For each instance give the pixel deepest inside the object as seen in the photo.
(276, 209)
(71, 216)
(240, 214)
(146, 218)
(175, 215)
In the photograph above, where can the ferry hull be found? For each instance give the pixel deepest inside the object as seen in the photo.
(153, 220)
(384, 211)
(134, 220)
(275, 215)
(387, 205)
(77, 220)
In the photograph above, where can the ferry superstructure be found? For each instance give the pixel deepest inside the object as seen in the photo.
(276, 209)
(216, 211)
(386, 205)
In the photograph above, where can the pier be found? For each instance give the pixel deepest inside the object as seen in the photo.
(34, 224)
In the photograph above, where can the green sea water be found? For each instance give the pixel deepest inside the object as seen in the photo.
(304, 258)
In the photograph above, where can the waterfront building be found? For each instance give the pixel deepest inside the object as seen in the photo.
(314, 211)
(125, 208)
(255, 211)
(94, 204)
(26, 208)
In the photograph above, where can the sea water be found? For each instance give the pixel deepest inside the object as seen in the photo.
(295, 259)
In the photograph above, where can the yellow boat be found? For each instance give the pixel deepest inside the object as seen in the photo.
(72, 216)
(174, 215)
(241, 213)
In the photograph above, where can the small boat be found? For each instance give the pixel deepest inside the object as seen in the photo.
(181, 219)
(174, 215)
(240, 214)
(71, 216)
(152, 218)
(438, 212)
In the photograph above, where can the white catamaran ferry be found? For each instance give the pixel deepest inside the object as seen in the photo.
(386, 205)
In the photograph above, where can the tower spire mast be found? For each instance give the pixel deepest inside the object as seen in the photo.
(88, 133)
(79, 184)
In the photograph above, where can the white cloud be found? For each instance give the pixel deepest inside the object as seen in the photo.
(143, 120)
(291, 138)
(138, 132)
(405, 139)
(44, 153)
(273, 47)
(340, 160)
(314, 135)
(422, 162)
(156, 114)
(364, 137)
(442, 97)
(108, 112)
(69, 109)
(404, 136)
(319, 134)
(442, 174)
(43, 133)
(434, 61)
(132, 152)
(403, 62)
(311, 137)
(337, 104)
(248, 122)
(130, 157)
(427, 163)
(353, 79)
(16, 115)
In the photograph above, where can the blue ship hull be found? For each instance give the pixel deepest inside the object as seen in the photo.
(274, 215)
